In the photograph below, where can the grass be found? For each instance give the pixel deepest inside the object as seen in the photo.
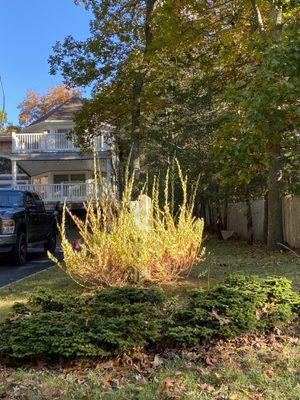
(255, 368)
(235, 370)
(52, 278)
(222, 259)
(225, 258)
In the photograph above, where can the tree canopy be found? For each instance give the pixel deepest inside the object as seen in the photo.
(35, 105)
(213, 83)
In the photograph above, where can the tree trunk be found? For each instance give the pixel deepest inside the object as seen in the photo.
(258, 17)
(250, 229)
(211, 220)
(137, 95)
(136, 126)
(265, 227)
(225, 222)
(120, 172)
(275, 227)
(118, 166)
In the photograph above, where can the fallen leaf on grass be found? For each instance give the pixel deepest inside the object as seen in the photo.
(270, 358)
(172, 387)
(210, 360)
(293, 340)
(250, 395)
(106, 379)
(203, 371)
(9, 379)
(269, 373)
(256, 346)
(105, 365)
(47, 394)
(207, 388)
(157, 362)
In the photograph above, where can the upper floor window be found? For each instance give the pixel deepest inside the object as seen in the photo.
(62, 130)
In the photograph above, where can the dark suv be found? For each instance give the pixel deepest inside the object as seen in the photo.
(24, 222)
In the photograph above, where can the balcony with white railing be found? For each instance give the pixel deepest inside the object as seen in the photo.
(70, 192)
(50, 142)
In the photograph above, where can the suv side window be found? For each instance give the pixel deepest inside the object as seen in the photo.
(29, 200)
(39, 202)
(36, 197)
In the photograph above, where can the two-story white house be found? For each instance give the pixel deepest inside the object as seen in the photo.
(57, 169)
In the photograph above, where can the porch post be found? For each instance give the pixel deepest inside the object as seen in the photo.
(62, 192)
(13, 141)
(14, 172)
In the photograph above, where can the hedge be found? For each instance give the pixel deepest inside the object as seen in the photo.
(117, 320)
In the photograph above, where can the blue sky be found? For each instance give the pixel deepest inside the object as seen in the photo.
(28, 30)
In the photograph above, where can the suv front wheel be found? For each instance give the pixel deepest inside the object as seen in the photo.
(20, 249)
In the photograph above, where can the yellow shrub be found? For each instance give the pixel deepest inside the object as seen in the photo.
(117, 248)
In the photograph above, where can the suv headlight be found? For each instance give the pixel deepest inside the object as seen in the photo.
(8, 226)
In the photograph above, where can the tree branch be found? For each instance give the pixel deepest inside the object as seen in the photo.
(258, 17)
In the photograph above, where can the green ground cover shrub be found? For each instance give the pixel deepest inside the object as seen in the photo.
(70, 326)
(238, 305)
(49, 334)
(116, 320)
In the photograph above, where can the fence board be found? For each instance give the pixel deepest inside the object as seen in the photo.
(237, 219)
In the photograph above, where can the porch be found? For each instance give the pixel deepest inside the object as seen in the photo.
(70, 192)
(70, 179)
(50, 142)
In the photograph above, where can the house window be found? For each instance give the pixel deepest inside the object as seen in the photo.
(62, 130)
(61, 178)
(67, 178)
(77, 178)
(42, 180)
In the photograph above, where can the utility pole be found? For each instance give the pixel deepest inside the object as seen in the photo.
(2, 114)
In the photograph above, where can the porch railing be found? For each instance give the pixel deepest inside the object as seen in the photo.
(70, 192)
(6, 180)
(48, 142)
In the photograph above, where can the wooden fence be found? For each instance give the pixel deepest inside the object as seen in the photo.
(237, 219)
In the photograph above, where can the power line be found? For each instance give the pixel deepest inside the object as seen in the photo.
(3, 95)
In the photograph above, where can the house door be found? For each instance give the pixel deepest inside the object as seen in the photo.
(71, 186)
(60, 186)
(78, 187)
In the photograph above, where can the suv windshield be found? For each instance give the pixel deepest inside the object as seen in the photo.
(9, 198)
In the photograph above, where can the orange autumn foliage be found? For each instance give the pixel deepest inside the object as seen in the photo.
(35, 105)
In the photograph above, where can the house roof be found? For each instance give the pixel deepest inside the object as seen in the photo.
(63, 112)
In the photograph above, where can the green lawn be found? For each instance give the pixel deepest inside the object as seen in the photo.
(255, 368)
(52, 278)
(222, 259)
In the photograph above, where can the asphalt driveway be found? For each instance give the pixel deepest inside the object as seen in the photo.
(37, 261)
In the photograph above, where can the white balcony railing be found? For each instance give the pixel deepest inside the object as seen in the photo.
(48, 142)
(70, 192)
(6, 180)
